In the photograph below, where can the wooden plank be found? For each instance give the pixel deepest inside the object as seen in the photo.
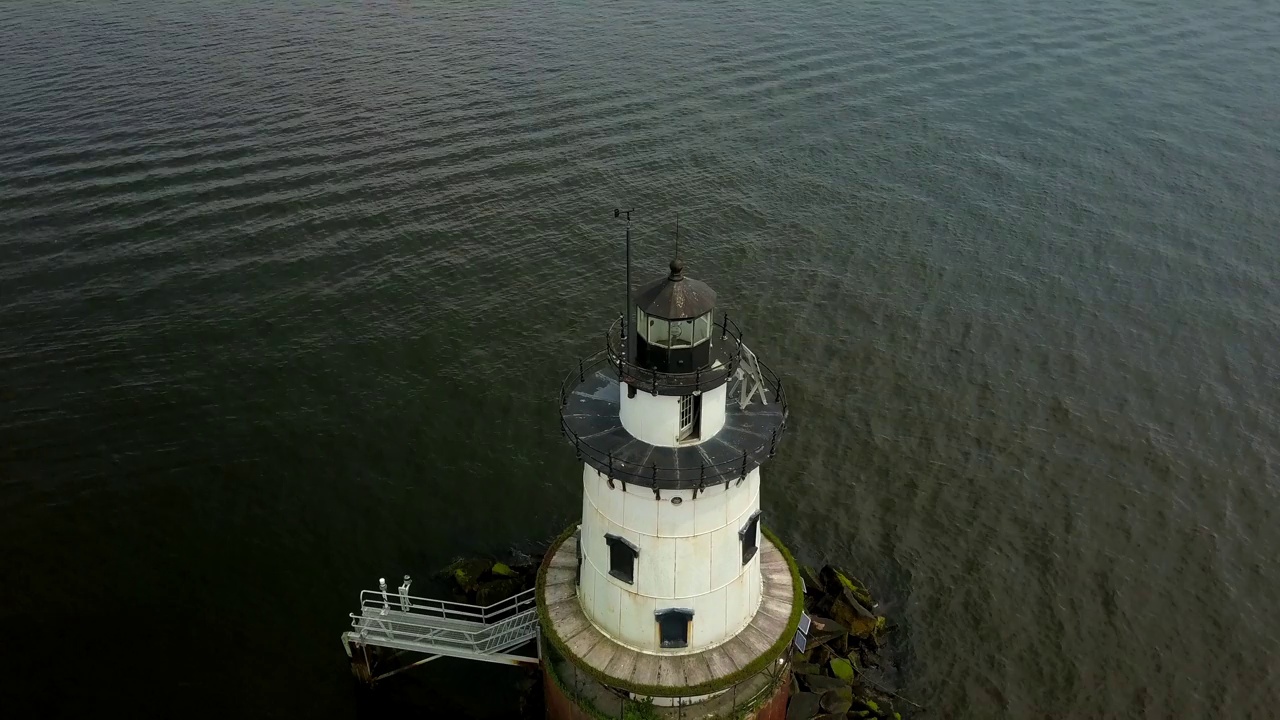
(567, 619)
(623, 664)
(778, 591)
(770, 628)
(756, 640)
(776, 571)
(739, 651)
(561, 576)
(559, 592)
(671, 671)
(584, 642)
(772, 560)
(646, 669)
(775, 608)
(566, 555)
(696, 670)
(719, 662)
(777, 616)
(601, 654)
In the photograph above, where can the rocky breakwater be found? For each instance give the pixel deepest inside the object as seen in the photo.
(841, 672)
(480, 581)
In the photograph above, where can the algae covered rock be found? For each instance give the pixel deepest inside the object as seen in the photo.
(821, 683)
(805, 668)
(823, 631)
(503, 570)
(491, 591)
(468, 572)
(842, 669)
(864, 628)
(844, 641)
(837, 701)
(834, 579)
(848, 611)
(803, 706)
(811, 582)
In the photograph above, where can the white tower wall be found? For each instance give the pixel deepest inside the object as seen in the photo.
(655, 419)
(690, 557)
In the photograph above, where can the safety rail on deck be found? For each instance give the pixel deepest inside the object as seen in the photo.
(727, 354)
(658, 476)
(442, 627)
(398, 628)
(447, 609)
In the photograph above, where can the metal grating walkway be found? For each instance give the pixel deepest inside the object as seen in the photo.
(440, 628)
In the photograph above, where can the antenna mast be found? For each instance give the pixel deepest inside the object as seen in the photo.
(677, 257)
(626, 300)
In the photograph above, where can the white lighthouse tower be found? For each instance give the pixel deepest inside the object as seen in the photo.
(669, 592)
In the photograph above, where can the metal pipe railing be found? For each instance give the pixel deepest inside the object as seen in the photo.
(656, 381)
(446, 608)
(399, 625)
(648, 475)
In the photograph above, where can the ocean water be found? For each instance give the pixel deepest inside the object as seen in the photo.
(287, 290)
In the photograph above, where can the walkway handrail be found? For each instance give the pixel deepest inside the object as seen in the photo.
(433, 607)
(677, 383)
(473, 637)
(648, 475)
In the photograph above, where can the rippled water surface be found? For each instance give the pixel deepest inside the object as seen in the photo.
(287, 290)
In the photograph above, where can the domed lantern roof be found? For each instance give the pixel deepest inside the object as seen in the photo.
(673, 321)
(675, 297)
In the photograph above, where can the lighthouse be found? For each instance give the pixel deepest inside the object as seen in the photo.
(670, 596)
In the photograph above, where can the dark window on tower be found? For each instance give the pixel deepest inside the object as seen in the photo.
(577, 550)
(750, 534)
(673, 627)
(690, 417)
(622, 558)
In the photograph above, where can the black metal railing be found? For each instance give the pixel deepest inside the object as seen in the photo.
(700, 475)
(726, 353)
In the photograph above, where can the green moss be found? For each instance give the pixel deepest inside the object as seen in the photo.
(863, 596)
(842, 669)
(640, 710)
(502, 569)
(705, 688)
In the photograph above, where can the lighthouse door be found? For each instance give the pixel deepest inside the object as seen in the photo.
(690, 417)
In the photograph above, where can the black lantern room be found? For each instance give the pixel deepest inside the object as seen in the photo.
(673, 323)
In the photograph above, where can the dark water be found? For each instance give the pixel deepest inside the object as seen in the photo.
(287, 290)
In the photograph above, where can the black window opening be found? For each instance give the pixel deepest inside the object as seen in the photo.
(673, 627)
(577, 550)
(622, 558)
(690, 417)
(750, 536)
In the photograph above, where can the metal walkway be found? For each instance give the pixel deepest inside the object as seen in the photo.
(440, 628)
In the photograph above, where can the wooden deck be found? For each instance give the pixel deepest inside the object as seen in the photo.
(570, 624)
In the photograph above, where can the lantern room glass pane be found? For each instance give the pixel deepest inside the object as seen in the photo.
(681, 333)
(658, 331)
(702, 329)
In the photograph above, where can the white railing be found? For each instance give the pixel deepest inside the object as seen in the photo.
(440, 626)
(446, 609)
